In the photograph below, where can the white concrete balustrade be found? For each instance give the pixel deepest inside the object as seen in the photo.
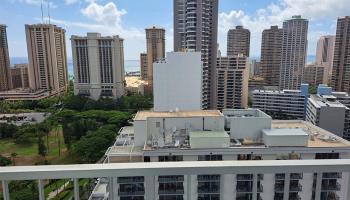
(112, 171)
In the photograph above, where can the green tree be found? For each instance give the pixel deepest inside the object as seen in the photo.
(312, 89)
(7, 130)
(92, 147)
(41, 147)
(5, 161)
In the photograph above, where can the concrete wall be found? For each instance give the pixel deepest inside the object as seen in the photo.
(249, 128)
(332, 119)
(177, 82)
(140, 132)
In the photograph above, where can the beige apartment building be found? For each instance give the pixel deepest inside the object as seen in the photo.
(98, 66)
(341, 64)
(5, 79)
(271, 51)
(315, 74)
(232, 82)
(46, 44)
(155, 39)
(19, 76)
(325, 54)
(143, 66)
(238, 41)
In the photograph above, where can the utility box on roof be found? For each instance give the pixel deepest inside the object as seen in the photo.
(209, 139)
(285, 137)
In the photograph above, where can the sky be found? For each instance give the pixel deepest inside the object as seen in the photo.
(129, 18)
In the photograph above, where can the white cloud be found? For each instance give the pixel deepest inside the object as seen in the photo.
(275, 13)
(108, 21)
(107, 14)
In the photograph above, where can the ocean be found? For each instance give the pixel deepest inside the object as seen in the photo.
(130, 65)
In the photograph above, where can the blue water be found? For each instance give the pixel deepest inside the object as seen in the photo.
(130, 65)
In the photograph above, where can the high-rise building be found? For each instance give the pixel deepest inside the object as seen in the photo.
(341, 63)
(294, 49)
(315, 74)
(98, 66)
(19, 76)
(177, 82)
(5, 79)
(325, 54)
(47, 55)
(232, 82)
(155, 39)
(195, 29)
(238, 41)
(271, 51)
(254, 68)
(143, 66)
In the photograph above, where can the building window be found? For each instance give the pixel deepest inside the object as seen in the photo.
(209, 157)
(170, 158)
(327, 156)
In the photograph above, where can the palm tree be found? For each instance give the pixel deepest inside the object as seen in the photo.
(13, 156)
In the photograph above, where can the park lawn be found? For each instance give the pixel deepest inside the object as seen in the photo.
(28, 154)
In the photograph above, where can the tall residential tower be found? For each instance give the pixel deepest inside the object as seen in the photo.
(341, 64)
(271, 47)
(47, 70)
(5, 79)
(232, 82)
(325, 54)
(98, 66)
(155, 38)
(294, 49)
(143, 66)
(195, 29)
(238, 41)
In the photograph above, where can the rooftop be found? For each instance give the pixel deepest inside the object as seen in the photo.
(143, 115)
(325, 101)
(244, 113)
(318, 137)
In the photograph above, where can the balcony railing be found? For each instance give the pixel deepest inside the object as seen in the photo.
(331, 187)
(331, 175)
(296, 176)
(295, 188)
(243, 177)
(153, 169)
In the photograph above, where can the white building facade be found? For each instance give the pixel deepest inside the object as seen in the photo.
(285, 104)
(177, 82)
(98, 66)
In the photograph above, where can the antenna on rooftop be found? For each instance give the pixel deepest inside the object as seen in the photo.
(42, 12)
(48, 11)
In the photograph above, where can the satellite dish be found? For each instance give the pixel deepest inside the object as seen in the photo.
(174, 129)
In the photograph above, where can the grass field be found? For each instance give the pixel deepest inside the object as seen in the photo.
(28, 154)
